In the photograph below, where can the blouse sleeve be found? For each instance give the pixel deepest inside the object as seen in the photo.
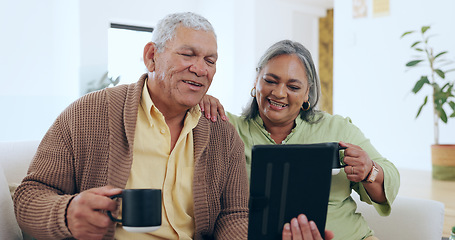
(391, 175)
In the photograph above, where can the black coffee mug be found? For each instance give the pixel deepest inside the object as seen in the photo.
(338, 161)
(141, 210)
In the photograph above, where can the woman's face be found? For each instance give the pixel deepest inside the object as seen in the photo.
(281, 89)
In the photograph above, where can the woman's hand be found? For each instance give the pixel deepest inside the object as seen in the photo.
(211, 107)
(301, 229)
(358, 168)
(358, 162)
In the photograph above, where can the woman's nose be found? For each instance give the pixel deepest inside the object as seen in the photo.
(279, 91)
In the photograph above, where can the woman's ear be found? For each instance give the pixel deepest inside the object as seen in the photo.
(149, 54)
(256, 81)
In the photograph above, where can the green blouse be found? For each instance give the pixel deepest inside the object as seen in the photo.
(342, 218)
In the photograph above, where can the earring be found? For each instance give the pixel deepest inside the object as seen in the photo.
(253, 92)
(305, 106)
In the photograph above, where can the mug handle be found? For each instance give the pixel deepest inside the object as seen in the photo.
(109, 212)
(341, 155)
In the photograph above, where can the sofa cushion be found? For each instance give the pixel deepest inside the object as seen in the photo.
(15, 157)
(9, 229)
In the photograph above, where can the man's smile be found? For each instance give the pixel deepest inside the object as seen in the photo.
(193, 83)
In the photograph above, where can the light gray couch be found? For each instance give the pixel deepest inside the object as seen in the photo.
(15, 158)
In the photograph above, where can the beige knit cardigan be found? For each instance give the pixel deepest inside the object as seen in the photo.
(91, 145)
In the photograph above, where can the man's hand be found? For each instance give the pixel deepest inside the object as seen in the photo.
(301, 229)
(84, 217)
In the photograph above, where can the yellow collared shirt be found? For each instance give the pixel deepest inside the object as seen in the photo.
(155, 166)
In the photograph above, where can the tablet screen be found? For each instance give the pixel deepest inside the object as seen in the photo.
(287, 180)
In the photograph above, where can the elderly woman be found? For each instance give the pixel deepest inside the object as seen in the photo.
(283, 111)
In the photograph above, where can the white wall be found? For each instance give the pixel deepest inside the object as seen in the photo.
(38, 52)
(50, 53)
(55, 47)
(370, 82)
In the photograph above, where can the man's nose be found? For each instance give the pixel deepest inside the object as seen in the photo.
(199, 67)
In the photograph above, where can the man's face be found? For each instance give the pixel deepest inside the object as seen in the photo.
(184, 70)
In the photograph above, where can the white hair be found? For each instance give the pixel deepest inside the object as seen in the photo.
(165, 29)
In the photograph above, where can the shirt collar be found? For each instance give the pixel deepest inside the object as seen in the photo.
(192, 116)
(298, 121)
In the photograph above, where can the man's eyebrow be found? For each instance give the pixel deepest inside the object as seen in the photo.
(185, 48)
(215, 55)
(191, 48)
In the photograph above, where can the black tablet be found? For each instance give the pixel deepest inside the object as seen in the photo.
(287, 180)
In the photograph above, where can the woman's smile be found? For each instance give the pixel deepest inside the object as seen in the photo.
(277, 105)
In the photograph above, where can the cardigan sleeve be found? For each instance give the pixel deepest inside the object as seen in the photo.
(71, 158)
(232, 222)
(40, 201)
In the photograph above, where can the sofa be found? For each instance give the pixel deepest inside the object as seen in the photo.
(411, 218)
(15, 158)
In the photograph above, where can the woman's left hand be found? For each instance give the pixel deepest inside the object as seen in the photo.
(358, 162)
(301, 229)
(211, 107)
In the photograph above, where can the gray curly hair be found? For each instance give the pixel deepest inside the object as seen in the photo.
(165, 29)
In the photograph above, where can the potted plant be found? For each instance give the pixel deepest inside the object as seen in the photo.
(442, 97)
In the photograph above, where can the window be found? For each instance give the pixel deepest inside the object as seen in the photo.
(125, 48)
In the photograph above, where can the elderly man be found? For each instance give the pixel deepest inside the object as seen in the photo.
(144, 135)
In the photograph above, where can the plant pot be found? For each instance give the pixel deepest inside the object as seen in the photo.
(443, 159)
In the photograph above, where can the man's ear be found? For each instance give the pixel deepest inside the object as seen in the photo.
(149, 54)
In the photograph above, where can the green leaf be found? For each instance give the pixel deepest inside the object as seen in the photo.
(440, 54)
(447, 85)
(418, 49)
(416, 43)
(425, 28)
(440, 73)
(419, 84)
(424, 103)
(452, 105)
(442, 114)
(413, 63)
(406, 33)
(452, 115)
